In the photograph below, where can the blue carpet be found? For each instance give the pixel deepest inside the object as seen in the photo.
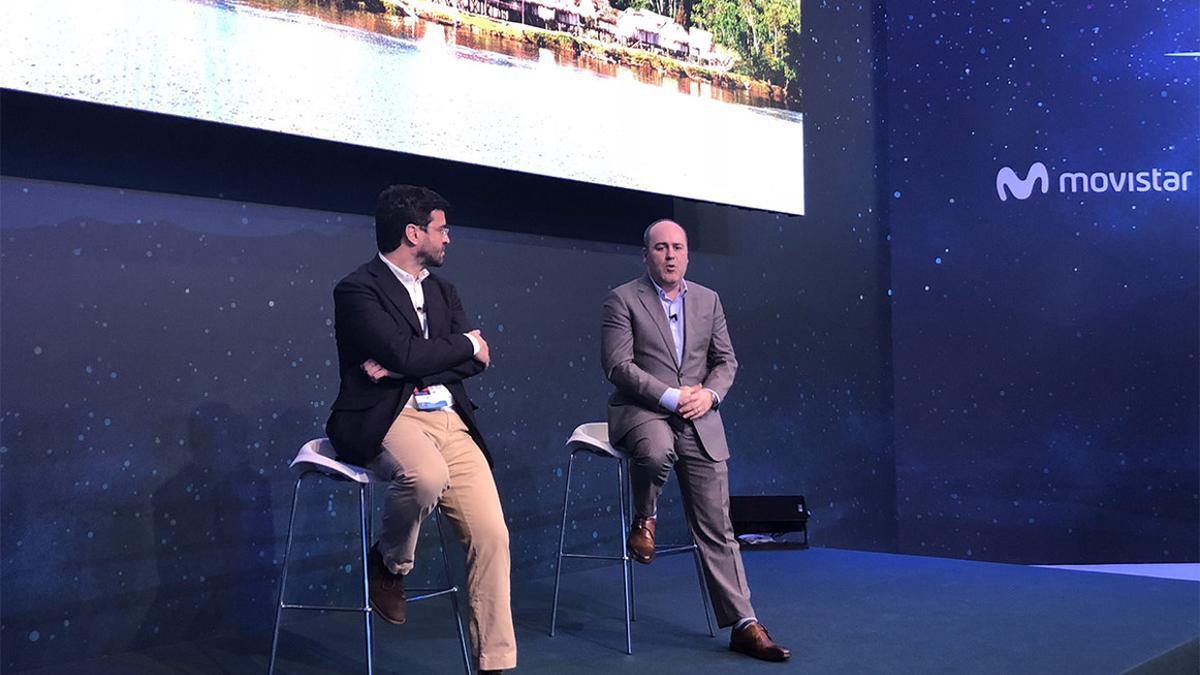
(839, 611)
(855, 612)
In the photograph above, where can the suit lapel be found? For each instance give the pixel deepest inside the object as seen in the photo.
(395, 292)
(653, 305)
(436, 312)
(693, 322)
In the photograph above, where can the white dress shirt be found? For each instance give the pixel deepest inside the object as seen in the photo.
(417, 294)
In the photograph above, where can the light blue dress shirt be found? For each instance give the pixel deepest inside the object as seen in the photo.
(673, 310)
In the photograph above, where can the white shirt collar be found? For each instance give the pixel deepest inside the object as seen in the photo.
(404, 277)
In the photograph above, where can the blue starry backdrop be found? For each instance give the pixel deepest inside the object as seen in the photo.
(165, 356)
(1045, 348)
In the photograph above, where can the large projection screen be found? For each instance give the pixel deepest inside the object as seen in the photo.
(692, 98)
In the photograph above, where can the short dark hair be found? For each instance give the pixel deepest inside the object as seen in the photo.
(399, 205)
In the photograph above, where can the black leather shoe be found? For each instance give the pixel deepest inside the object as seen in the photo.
(753, 640)
(641, 540)
(386, 589)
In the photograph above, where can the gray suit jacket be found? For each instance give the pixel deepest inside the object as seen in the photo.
(638, 356)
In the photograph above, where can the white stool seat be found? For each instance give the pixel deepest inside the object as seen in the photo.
(319, 455)
(593, 437)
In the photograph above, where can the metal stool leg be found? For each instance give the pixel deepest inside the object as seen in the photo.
(625, 562)
(703, 590)
(370, 521)
(365, 513)
(562, 534)
(462, 637)
(287, 550)
(627, 494)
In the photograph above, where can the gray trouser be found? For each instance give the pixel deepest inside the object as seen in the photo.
(657, 446)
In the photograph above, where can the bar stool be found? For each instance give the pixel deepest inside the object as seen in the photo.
(593, 438)
(317, 458)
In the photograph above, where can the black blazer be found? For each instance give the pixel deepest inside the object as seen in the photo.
(375, 319)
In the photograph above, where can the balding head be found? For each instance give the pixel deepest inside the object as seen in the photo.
(665, 222)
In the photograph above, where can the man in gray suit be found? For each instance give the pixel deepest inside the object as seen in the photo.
(666, 349)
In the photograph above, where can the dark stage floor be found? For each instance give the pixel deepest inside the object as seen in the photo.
(839, 611)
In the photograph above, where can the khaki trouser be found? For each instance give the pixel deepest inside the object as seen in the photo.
(430, 456)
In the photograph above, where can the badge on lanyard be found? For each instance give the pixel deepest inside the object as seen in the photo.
(432, 398)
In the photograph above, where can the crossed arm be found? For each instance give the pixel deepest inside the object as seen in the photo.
(404, 354)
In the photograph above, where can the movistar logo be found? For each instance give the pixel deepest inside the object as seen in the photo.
(1008, 182)
(1071, 182)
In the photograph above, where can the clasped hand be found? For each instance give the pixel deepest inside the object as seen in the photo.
(694, 401)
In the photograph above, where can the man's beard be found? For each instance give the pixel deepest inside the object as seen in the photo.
(431, 260)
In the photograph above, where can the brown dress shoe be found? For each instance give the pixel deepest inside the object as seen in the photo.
(753, 640)
(387, 589)
(641, 540)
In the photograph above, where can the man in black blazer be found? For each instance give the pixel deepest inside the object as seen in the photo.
(404, 349)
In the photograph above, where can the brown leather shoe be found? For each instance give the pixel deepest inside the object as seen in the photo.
(641, 540)
(753, 640)
(387, 589)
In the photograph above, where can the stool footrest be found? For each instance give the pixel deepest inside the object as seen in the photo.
(425, 593)
(592, 557)
(672, 550)
(327, 608)
(422, 594)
